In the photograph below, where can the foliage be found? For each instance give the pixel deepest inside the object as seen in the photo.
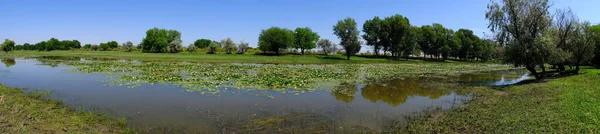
(95, 47)
(374, 33)
(25, 46)
(55, 44)
(104, 46)
(327, 46)
(202, 43)
(7, 45)
(158, 40)
(520, 24)
(228, 45)
(243, 47)
(191, 48)
(305, 39)
(595, 31)
(399, 29)
(175, 46)
(349, 36)
(128, 46)
(275, 39)
(213, 47)
(87, 46)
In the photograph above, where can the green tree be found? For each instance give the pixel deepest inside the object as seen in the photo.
(8, 45)
(202, 43)
(213, 47)
(428, 38)
(94, 47)
(305, 39)
(520, 24)
(228, 45)
(52, 44)
(275, 39)
(104, 46)
(243, 47)
(583, 44)
(327, 46)
(595, 31)
(349, 35)
(399, 31)
(113, 44)
(128, 46)
(87, 46)
(373, 30)
(157, 40)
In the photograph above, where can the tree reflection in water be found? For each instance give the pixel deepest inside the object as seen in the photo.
(393, 92)
(8, 62)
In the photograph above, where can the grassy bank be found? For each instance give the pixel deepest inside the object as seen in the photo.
(563, 105)
(32, 113)
(219, 58)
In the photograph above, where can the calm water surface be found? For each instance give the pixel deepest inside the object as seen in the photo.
(168, 108)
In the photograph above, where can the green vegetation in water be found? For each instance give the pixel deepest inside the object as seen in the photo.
(562, 105)
(209, 78)
(33, 113)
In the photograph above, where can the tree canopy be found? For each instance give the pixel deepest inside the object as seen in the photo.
(305, 38)
(7, 45)
(157, 40)
(275, 39)
(349, 35)
(202, 43)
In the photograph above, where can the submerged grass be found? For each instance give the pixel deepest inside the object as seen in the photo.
(562, 105)
(33, 113)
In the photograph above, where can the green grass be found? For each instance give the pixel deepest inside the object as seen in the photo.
(219, 58)
(563, 105)
(33, 113)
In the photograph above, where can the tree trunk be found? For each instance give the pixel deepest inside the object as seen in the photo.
(533, 72)
(302, 51)
(348, 55)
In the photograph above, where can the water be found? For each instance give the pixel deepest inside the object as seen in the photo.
(349, 107)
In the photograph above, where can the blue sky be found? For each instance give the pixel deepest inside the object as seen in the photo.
(96, 21)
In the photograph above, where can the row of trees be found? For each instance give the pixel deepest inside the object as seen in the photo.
(51, 44)
(534, 38)
(395, 34)
(276, 39)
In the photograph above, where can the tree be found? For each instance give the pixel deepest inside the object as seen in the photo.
(213, 47)
(175, 46)
(157, 40)
(243, 47)
(305, 38)
(595, 31)
(113, 44)
(275, 39)
(399, 29)
(428, 38)
(191, 48)
(87, 46)
(327, 46)
(8, 45)
(583, 44)
(128, 46)
(373, 30)
(228, 45)
(202, 43)
(104, 46)
(95, 47)
(520, 24)
(349, 36)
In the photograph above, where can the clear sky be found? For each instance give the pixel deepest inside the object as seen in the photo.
(96, 21)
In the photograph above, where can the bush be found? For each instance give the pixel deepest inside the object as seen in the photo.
(191, 48)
